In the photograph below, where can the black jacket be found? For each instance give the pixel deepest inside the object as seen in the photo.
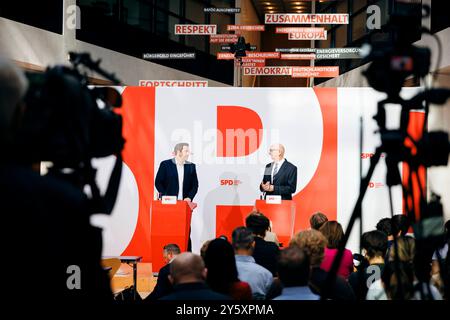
(284, 182)
(194, 291)
(163, 285)
(266, 254)
(167, 179)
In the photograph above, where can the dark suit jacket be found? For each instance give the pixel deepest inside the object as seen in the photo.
(163, 285)
(266, 254)
(167, 179)
(284, 182)
(194, 291)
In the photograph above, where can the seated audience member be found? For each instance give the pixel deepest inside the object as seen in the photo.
(271, 236)
(398, 281)
(400, 225)
(332, 230)
(313, 243)
(222, 272)
(293, 269)
(188, 275)
(385, 225)
(163, 286)
(317, 220)
(204, 247)
(374, 246)
(439, 259)
(265, 253)
(259, 278)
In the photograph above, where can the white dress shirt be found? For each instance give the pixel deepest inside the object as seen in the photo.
(180, 170)
(280, 163)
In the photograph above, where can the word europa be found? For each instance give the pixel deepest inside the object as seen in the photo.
(226, 310)
(292, 18)
(187, 29)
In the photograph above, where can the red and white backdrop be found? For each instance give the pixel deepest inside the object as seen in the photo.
(230, 131)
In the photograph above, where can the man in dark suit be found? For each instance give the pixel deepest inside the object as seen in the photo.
(265, 253)
(177, 176)
(188, 275)
(163, 285)
(280, 176)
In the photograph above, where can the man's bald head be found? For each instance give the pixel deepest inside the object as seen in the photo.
(277, 151)
(187, 267)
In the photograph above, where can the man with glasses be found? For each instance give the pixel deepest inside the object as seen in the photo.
(280, 176)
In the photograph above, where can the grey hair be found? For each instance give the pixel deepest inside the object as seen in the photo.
(179, 147)
(13, 86)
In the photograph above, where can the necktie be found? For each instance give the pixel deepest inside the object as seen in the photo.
(275, 170)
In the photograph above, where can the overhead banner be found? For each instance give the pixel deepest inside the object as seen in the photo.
(306, 18)
(223, 38)
(241, 27)
(338, 53)
(315, 72)
(173, 83)
(297, 29)
(326, 53)
(267, 71)
(195, 29)
(298, 56)
(251, 62)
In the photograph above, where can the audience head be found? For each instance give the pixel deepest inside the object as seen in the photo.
(187, 268)
(293, 267)
(385, 225)
(203, 248)
(170, 251)
(332, 230)
(313, 243)
(317, 220)
(258, 223)
(400, 225)
(243, 241)
(398, 278)
(221, 265)
(375, 244)
(406, 247)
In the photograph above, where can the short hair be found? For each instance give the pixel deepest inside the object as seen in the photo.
(400, 223)
(375, 243)
(317, 220)
(13, 86)
(258, 223)
(204, 248)
(385, 225)
(332, 230)
(172, 248)
(242, 238)
(180, 146)
(187, 264)
(293, 267)
(313, 243)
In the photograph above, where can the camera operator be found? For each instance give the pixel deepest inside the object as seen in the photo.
(53, 251)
